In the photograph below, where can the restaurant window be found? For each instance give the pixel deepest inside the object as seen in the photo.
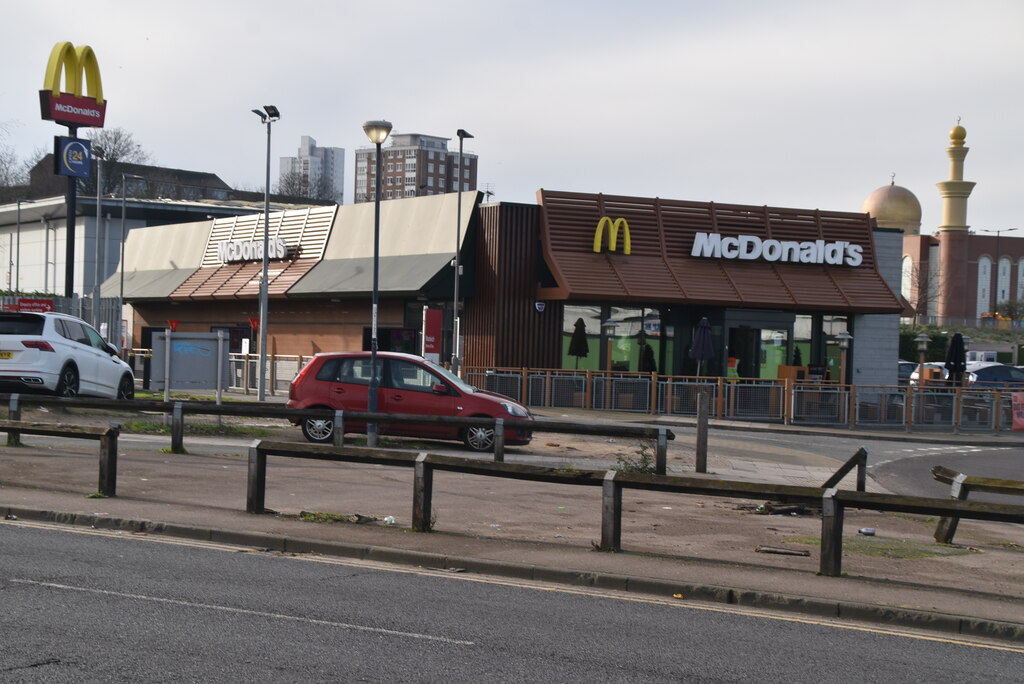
(830, 327)
(581, 337)
(606, 338)
(803, 328)
(774, 352)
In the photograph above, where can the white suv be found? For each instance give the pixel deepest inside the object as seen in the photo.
(59, 354)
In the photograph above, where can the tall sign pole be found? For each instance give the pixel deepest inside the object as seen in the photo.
(74, 109)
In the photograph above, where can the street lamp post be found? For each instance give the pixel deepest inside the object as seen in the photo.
(377, 132)
(268, 115)
(922, 346)
(120, 293)
(456, 319)
(843, 339)
(97, 152)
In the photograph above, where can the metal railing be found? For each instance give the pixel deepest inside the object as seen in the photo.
(937, 408)
(925, 407)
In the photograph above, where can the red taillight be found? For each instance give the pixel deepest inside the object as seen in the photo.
(297, 379)
(41, 345)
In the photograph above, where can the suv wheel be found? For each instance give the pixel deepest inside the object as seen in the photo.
(67, 385)
(318, 430)
(478, 438)
(126, 388)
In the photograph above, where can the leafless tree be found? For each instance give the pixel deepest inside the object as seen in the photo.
(292, 184)
(14, 178)
(119, 147)
(925, 289)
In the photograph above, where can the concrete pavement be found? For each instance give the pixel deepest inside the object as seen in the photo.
(702, 549)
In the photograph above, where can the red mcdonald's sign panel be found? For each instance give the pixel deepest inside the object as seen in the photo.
(432, 319)
(1018, 411)
(82, 103)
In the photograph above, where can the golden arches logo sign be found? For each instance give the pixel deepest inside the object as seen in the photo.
(81, 102)
(613, 226)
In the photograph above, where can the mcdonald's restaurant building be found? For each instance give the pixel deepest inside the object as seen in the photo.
(576, 281)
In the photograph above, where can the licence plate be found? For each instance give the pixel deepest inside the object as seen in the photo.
(6, 355)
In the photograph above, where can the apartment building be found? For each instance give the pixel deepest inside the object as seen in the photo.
(414, 165)
(317, 172)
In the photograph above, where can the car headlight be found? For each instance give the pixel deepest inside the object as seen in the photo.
(515, 410)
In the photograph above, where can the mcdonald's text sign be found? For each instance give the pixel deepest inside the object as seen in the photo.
(81, 102)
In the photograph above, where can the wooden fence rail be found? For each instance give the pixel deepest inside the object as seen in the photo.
(961, 487)
(833, 502)
(107, 437)
(179, 409)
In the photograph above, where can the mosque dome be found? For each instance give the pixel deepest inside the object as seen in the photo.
(957, 135)
(893, 206)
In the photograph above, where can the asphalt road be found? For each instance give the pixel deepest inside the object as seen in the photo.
(899, 466)
(83, 605)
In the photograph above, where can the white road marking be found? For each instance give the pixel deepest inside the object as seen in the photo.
(243, 611)
(764, 614)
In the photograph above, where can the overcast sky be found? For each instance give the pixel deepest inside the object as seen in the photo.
(787, 103)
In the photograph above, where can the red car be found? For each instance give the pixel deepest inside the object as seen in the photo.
(408, 384)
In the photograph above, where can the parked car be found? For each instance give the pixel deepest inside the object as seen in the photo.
(408, 384)
(905, 369)
(59, 354)
(994, 375)
(938, 372)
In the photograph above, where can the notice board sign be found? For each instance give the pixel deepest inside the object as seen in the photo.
(35, 305)
(193, 361)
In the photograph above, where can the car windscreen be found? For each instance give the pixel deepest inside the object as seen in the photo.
(21, 324)
(449, 376)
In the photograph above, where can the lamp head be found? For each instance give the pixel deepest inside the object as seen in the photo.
(463, 134)
(263, 117)
(272, 112)
(377, 131)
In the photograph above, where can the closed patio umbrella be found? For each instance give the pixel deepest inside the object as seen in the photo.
(578, 345)
(956, 360)
(703, 347)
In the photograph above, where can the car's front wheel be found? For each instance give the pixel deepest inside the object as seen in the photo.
(67, 384)
(478, 438)
(126, 388)
(318, 430)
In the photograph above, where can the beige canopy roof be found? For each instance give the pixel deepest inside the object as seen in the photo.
(158, 259)
(330, 251)
(417, 239)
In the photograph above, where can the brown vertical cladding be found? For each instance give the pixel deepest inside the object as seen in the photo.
(504, 327)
